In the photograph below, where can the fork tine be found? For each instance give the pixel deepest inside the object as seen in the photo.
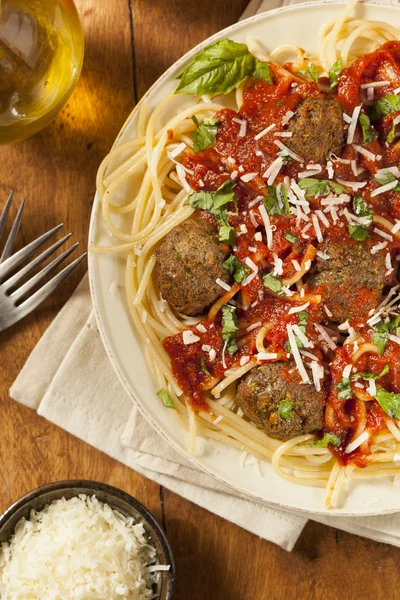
(4, 214)
(13, 281)
(29, 285)
(48, 288)
(16, 259)
(8, 248)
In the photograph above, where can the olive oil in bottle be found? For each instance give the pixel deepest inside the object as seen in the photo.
(41, 54)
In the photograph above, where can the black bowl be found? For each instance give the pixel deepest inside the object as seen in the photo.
(117, 499)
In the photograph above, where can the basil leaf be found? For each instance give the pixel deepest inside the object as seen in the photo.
(389, 402)
(229, 328)
(261, 70)
(290, 237)
(358, 233)
(369, 134)
(272, 283)
(220, 68)
(313, 72)
(384, 106)
(204, 368)
(285, 410)
(205, 133)
(310, 73)
(360, 209)
(276, 203)
(215, 203)
(344, 387)
(303, 321)
(382, 330)
(303, 318)
(387, 177)
(166, 398)
(367, 376)
(390, 136)
(380, 339)
(329, 438)
(226, 235)
(334, 73)
(237, 269)
(322, 187)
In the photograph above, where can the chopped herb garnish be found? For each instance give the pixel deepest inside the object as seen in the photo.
(392, 131)
(320, 187)
(389, 402)
(303, 321)
(344, 387)
(382, 330)
(310, 73)
(285, 411)
(384, 106)
(379, 339)
(387, 177)
(216, 204)
(273, 283)
(220, 68)
(229, 328)
(276, 202)
(204, 368)
(367, 376)
(290, 237)
(328, 438)
(166, 398)
(205, 133)
(334, 73)
(237, 269)
(369, 134)
(360, 209)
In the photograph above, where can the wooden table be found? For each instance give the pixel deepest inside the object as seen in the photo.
(129, 43)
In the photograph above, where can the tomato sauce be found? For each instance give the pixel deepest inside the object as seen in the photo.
(237, 152)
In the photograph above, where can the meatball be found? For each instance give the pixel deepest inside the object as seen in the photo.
(350, 281)
(318, 129)
(262, 390)
(189, 261)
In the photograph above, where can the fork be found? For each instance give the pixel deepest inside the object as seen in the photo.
(15, 299)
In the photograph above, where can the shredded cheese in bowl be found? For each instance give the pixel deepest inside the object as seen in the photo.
(79, 549)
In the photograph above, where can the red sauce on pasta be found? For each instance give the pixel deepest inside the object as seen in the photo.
(235, 154)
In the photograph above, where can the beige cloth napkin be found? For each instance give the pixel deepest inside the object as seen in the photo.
(69, 381)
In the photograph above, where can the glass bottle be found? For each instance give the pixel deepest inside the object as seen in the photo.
(41, 54)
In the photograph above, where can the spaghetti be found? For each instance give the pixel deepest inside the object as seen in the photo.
(280, 218)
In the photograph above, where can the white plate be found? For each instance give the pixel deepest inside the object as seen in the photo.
(295, 25)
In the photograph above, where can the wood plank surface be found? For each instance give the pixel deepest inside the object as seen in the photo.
(129, 43)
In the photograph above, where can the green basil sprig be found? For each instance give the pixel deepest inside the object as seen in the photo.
(220, 68)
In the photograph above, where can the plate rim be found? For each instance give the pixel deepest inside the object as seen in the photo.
(135, 397)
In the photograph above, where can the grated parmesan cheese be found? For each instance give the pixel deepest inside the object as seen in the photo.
(384, 188)
(78, 549)
(243, 126)
(357, 442)
(353, 124)
(264, 132)
(296, 354)
(189, 337)
(267, 224)
(248, 177)
(286, 117)
(317, 228)
(273, 170)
